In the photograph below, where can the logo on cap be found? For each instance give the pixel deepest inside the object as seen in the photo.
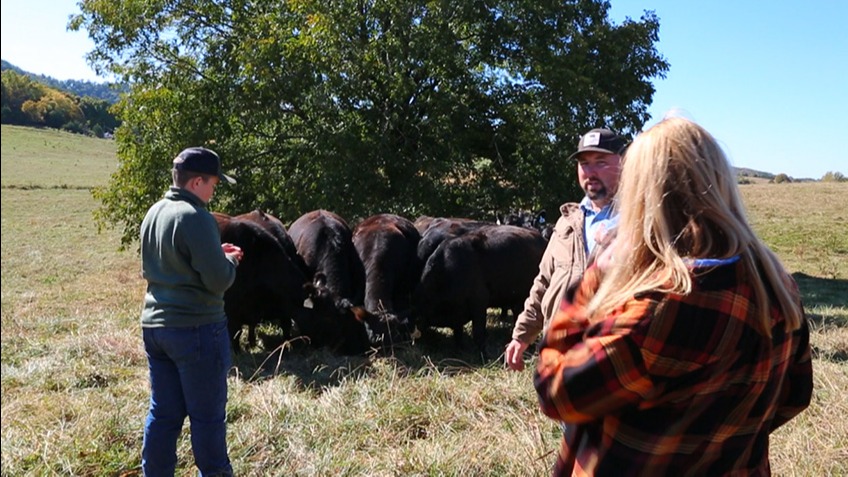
(592, 139)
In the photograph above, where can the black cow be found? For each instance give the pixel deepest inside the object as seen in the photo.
(530, 220)
(493, 266)
(276, 228)
(387, 244)
(337, 283)
(441, 228)
(325, 243)
(268, 285)
(339, 324)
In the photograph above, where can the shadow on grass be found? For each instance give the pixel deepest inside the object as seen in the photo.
(817, 291)
(435, 351)
(838, 356)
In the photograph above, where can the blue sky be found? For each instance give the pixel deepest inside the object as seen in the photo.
(767, 78)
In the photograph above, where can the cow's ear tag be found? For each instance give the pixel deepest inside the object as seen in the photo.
(307, 303)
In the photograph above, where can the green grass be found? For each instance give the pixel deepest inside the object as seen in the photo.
(74, 375)
(49, 158)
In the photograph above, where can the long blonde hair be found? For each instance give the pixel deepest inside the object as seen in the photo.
(678, 199)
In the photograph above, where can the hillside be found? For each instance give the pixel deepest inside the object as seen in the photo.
(45, 158)
(746, 172)
(106, 91)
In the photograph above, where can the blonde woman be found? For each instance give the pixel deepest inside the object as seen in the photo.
(686, 344)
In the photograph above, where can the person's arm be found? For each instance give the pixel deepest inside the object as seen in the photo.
(200, 235)
(530, 322)
(797, 387)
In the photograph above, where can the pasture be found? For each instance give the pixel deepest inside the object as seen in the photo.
(74, 375)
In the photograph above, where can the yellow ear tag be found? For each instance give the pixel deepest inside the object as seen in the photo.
(307, 303)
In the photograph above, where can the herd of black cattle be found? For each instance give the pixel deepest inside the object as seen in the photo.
(378, 283)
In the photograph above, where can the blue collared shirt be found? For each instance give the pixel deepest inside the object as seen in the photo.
(596, 224)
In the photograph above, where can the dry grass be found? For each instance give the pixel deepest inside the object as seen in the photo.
(74, 376)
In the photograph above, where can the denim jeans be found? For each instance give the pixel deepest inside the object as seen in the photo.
(188, 377)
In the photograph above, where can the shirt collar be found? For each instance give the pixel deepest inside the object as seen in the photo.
(588, 210)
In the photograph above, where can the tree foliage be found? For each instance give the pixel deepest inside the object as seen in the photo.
(781, 179)
(365, 106)
(834, 176)
(28, 102)
(108, 92)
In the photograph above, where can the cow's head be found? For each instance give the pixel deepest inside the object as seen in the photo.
(387, 329)
(332, 320)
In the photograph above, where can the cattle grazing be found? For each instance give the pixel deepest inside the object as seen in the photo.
(336, 285)
(325, 243)
(334, 322)
(268, 285)
(387, 245)
(343, 327)
(492, 266)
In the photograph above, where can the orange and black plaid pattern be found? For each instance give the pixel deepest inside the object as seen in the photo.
(670, 384)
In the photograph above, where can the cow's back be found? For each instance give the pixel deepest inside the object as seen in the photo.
(268, 285)
(440, 229)
(509, 258)
(325, 243)
(387, 244)
(492, 266)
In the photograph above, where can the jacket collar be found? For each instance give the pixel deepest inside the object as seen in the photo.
(177, 193)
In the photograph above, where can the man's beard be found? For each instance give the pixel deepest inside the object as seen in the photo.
(599, 193)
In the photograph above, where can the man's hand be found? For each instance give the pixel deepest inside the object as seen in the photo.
(515, 355)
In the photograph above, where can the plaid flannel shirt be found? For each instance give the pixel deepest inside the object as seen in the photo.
(670, 384)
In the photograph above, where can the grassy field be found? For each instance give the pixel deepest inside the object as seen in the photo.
(49, 158)
(74, 375)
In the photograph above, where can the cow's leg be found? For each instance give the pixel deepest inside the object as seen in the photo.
(285, 325)
(235, 333)
(478, 333)
(457, 336)
(251, 335)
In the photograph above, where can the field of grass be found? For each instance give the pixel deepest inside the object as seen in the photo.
(49, 158)
(74, 375)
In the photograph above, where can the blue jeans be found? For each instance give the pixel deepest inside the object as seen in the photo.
(188, 377)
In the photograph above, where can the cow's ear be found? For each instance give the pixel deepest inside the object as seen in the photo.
(359, 313)
(310, 289)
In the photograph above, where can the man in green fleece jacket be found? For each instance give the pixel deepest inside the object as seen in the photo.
(184, 327)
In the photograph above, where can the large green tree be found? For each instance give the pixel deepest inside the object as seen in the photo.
(18, 90)
(364, 106)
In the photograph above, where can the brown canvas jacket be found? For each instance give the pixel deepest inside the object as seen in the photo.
(561, 267)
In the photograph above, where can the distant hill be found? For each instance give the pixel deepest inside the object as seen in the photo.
(745, 172)
(106, 91)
